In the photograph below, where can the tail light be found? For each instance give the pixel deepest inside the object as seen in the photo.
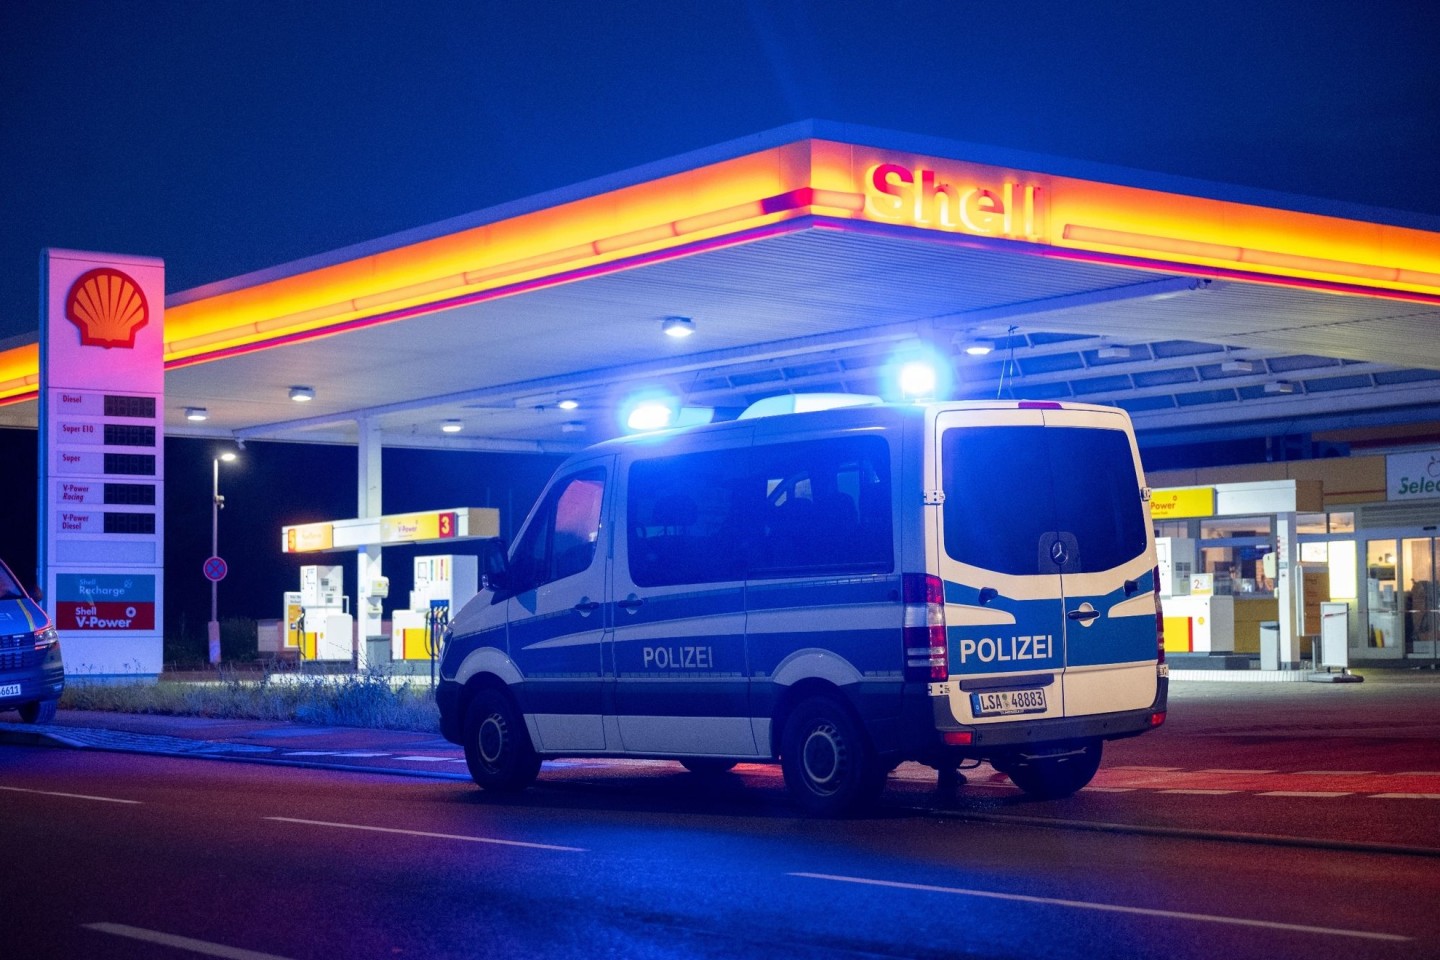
(923, 631)
(1159, 617)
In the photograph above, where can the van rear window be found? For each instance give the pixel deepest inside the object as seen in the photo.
(1012, 494)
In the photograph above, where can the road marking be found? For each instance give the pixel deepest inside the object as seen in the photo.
(1419, 773)
(1202, 793)
(332, 753)
(1252, 773)
(1334, 773)
(1112, 908)
(1094, 789)
(1327, 795)
(420, 759)
(72, 796)
(1405, 796)
(181, 943)
(426, 833)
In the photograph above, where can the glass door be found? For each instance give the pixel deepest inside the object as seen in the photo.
(1384, 632)
(1422, 618)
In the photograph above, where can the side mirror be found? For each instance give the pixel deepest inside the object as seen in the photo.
(494, 564)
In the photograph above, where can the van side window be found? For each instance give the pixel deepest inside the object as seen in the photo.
(687, 518)
(827, 508)
(561, 541)
(777, 510)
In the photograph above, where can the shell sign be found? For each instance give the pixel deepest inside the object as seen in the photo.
(108, 307)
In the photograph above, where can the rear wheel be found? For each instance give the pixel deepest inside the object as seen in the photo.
(707, 765)
(497, 745)
(1056, 776)
(38, 711)
(829, 765)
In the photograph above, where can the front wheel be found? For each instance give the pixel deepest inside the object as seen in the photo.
(1054, 777)
(497, 745)
(829, 765)
(38, 711)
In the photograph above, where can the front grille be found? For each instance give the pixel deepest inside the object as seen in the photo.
(17, 651)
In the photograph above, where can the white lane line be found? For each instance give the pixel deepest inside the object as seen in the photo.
(1334, 773)
(1245, 772)
(1094, 789)
(332, 753)
(181, 943)
(1143, 769)
(1201, 793)
(1405, 796)
(1113, 908)
(1323, 794)
(72, 796)
(1419, 773)
(420, 759)
(426, 833)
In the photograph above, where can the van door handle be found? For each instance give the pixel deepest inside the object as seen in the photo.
(630, 603)
(1084, 616)
(586, 606)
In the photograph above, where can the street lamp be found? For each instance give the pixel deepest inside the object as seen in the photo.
(217, 503)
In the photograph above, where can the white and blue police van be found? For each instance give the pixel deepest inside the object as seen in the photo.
(840, 591)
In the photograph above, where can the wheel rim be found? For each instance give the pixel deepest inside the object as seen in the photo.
(824, 756)
(491, 740)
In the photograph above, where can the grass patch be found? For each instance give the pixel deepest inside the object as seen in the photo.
(365, 700)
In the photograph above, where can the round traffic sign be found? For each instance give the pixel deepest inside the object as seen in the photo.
(215, 569)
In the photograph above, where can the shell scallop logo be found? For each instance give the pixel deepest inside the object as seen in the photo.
(108, 307)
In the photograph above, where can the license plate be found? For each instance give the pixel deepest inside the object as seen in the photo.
(1008, 701)
(10, 690)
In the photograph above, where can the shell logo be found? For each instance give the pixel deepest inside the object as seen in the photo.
(108, 307)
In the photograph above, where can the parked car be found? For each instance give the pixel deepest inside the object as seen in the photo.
(32, 675)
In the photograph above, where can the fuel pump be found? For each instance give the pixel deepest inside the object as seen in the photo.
(443, 585)
(323, 629)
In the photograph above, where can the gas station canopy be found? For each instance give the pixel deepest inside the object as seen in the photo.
(815, 258)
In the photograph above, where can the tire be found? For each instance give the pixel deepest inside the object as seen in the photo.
(1053, 778)
(497, 745)
(38, 711)
(707, 766)
(829, 765)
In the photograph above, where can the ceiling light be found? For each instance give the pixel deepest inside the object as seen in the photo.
(1238, 366)
(1113, 353)
(302, 394)
(196, 413)
(978, 348)
(677, 327)
(451, 426)
(1280, 386)
(568, 404)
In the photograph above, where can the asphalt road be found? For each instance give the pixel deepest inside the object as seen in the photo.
(1258, 823)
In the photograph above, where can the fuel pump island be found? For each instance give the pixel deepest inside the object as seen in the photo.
(321, 626)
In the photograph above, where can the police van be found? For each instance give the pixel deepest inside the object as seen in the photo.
(840, 591)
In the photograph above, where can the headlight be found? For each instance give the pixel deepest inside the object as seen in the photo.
(46, 638)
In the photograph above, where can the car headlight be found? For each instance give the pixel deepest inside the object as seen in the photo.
(46, 638)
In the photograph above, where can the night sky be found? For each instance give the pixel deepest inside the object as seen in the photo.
(228, 136)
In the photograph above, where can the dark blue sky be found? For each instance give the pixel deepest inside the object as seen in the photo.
(229, 136)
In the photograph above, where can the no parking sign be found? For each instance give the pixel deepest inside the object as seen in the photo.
(215, 569)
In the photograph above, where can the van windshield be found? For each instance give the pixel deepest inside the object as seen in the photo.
(9, 588)
(1013, 493)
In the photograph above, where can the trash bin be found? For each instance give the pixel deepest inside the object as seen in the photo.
(1269, 644)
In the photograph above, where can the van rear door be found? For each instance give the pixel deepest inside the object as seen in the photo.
(1046, 555)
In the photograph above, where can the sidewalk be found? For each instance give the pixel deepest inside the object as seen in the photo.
(263, 741)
